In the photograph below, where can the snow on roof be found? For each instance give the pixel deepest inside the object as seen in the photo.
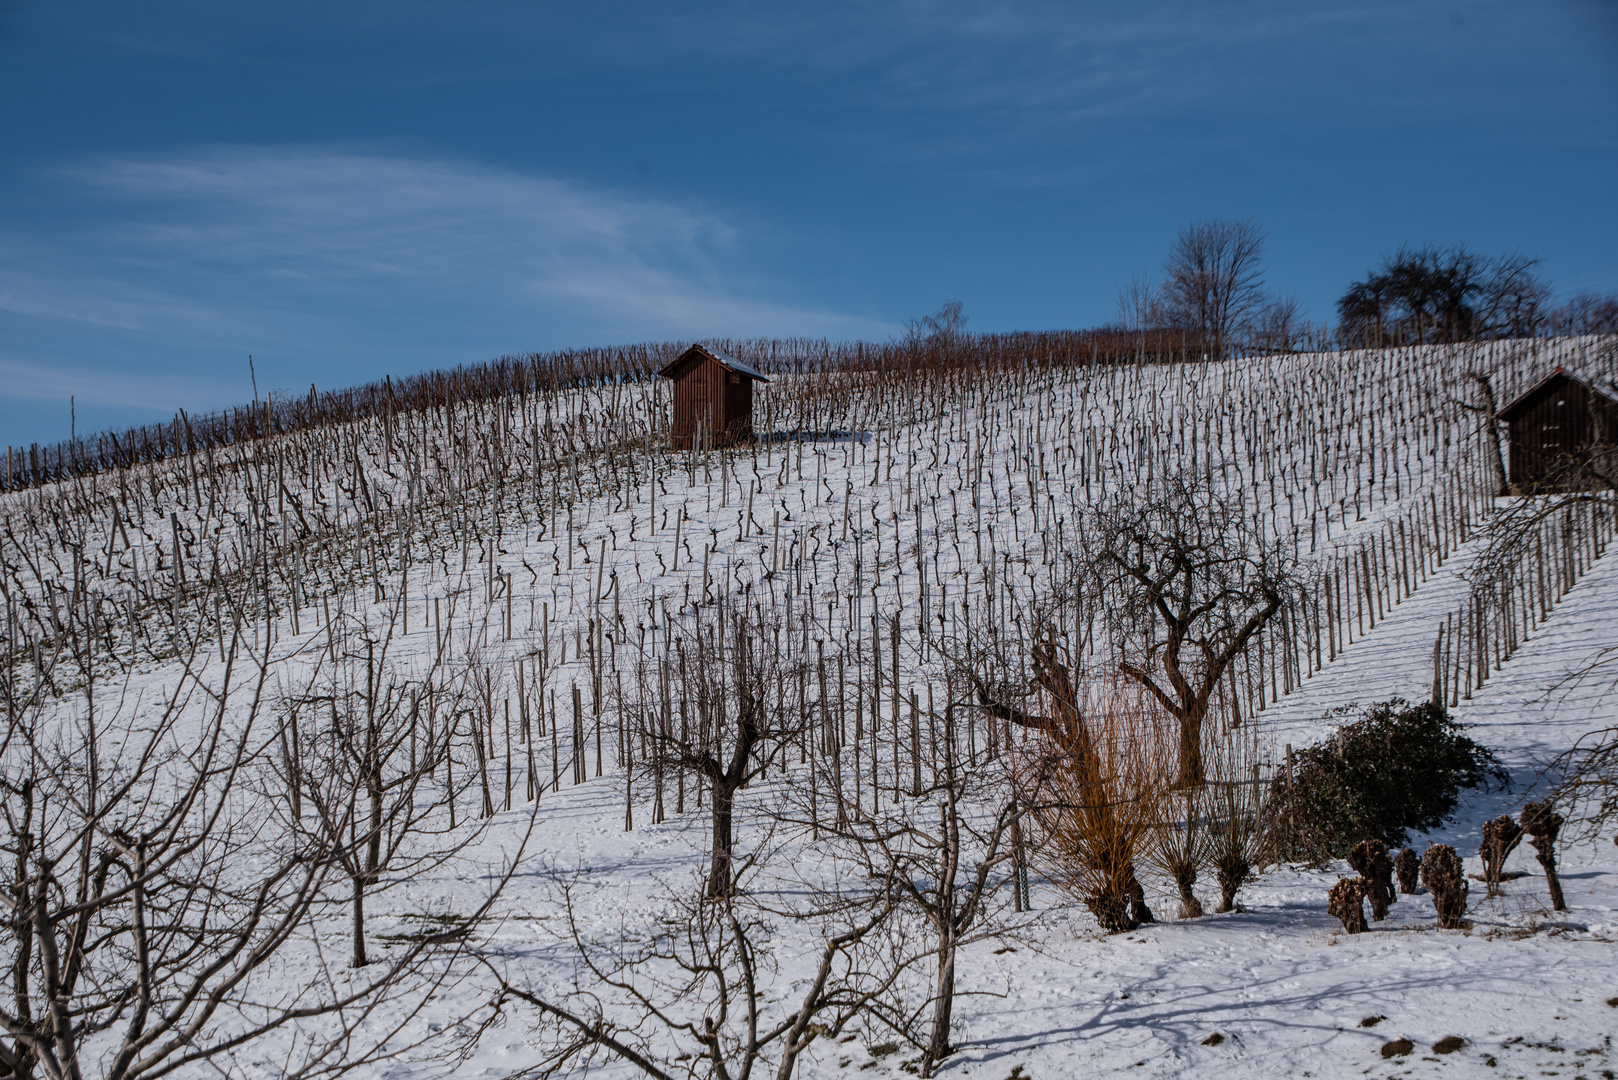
(734, 364)
(1563, 372)
(726, 361)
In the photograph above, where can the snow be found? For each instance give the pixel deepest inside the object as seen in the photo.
(1284, 990)
(1527, 989)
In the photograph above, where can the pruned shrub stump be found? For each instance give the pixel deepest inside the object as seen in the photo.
(1542, 824)
(1444, 875)
(1347, 904)
(1500, 838)
(1232, 871)
(1407, 866)
(1369, 858)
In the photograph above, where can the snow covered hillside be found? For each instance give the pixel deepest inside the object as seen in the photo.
(454, 689)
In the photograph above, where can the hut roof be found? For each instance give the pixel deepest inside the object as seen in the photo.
(1561, 374)
(723, 359)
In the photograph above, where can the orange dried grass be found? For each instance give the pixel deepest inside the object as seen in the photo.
(1102, 776)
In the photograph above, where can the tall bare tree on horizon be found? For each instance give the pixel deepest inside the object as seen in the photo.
(1213, 280)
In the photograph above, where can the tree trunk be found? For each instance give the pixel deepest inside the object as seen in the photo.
(938, 1047)
(719, 874)
(1185, 877)
(1192, 774)
(1491, 426)
(359, 923)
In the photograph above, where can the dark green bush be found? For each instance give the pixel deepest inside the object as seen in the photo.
(1398, 768)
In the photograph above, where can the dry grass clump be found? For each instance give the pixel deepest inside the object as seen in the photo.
(1347, 904)
(1369, 859)
(1443, 874)
(1103, 777)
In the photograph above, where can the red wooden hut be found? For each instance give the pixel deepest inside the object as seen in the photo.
(713, 398)
(1557, 425)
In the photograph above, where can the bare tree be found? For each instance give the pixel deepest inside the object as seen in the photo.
(1234, 802)
(154, 895)
(1139, 305)
(1183, 583)
(1513, 298)
(728, 717)
(1585, 778)
(1213, 280)
(359, 749)
(1104, 778)
(1094, 779)
(1279, 326)
(1439, 294)
(1488, 410)
(942, 326)
(1584, 313)
(692, 994)
(1181, 846)
(948, 854)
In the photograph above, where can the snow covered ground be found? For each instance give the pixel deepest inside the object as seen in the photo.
(1275, 989)
(978, 499)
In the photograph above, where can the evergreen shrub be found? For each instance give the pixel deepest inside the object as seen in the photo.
(1398, 768)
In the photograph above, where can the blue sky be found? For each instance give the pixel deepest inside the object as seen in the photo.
(351, 189)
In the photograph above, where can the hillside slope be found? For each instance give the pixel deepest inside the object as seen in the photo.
(521, 568)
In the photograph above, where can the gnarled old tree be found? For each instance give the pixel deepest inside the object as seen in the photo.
(1181, 583)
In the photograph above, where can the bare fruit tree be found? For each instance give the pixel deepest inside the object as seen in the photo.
(695, 993)
(950, 854)
(155, 896)
(359, 749)
(1213, 280)
(1182, 583)
(719, 710)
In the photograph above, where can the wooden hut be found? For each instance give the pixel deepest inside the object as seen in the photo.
(1558, 424)
(713, 398)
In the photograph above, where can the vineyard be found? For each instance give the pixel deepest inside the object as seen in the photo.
(460, 723)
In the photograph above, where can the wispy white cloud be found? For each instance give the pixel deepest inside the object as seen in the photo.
(368, 227)
(347, 263)
(997, 83)
(316, 246)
